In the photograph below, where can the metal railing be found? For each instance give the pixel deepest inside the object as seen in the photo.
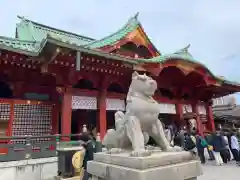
(33, 147)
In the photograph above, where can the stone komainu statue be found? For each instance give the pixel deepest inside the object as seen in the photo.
(140, 120)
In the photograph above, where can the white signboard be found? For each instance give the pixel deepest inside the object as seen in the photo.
(167, 108)
(115, 104)
(84, 102)
(202, 110)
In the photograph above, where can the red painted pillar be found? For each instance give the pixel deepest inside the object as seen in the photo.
(210, 122)
(102, 121)
(10, 123)
(179, 112)
(66, 115)
(199, 123)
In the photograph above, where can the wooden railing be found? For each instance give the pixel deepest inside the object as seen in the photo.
(31, 147)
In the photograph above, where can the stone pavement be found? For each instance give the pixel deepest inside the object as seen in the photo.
(225, 172)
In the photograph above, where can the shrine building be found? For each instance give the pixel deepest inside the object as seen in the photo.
(53, 81)
(226, 113)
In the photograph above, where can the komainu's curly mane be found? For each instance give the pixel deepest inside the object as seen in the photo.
(142, 86)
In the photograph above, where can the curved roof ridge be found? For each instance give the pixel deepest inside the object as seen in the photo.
(24, 31)
(132, 23)
(31, 28)
(22, 18)
(184, 51)
(181, 54)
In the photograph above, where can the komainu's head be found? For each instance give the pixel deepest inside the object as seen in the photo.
(143, 84)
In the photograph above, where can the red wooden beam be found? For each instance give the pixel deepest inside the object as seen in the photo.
(82, 92)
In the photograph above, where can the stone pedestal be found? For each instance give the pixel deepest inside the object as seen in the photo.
(72, 178)
(158, 166)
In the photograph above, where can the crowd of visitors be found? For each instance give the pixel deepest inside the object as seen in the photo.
(221, 147)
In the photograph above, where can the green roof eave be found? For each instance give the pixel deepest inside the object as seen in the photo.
(30, 48)
(164, 58)
(37, 48)
(185, 57)
(181, 54)
(34, 49)
(131, 25)
(30, 30)
(92, 51)
(33, 31)
(227, 82)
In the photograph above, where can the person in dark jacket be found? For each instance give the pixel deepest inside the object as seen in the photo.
(89, 151)
(218, 146)
(179, 139)
(225, 153)
(201, 144)
(210, 152)
(190, 143)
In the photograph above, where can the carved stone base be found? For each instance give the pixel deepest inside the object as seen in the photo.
(158, 166)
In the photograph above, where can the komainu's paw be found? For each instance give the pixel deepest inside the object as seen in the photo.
(174, 149)
(149, 147)
(115, 151)
(140, 153)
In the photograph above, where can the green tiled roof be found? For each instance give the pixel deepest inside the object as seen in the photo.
(16, 45)
(32, 38)
(28, 30)
(182, 54)
(32, 31)
(32, 48)
(131, 25)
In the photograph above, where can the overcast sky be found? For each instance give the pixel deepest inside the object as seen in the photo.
(212, 27)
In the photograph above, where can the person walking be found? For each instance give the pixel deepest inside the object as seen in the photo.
(229, 152)
(210, 148)
(235, 147)
(182, 136)
(225, 154)
(201, 144)
(217, 143)
(88, 144)
(179, 139)
(190, 143)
